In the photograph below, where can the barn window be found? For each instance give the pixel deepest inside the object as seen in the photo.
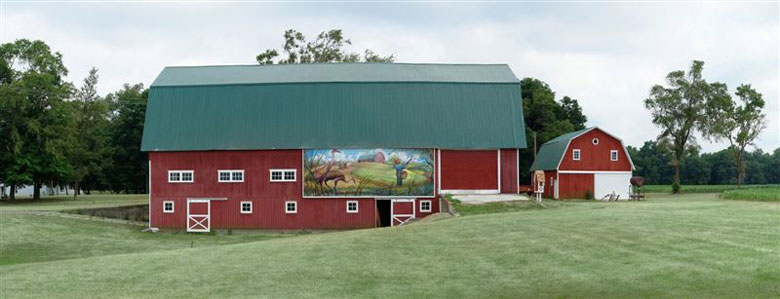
(181, 176)
(575, 155)
(425, 206)
(595, 141)
(291, 207)
(167, 206)
(230, 176)
(352, 206)
(613, 155)
(283, 175)
(246, 207)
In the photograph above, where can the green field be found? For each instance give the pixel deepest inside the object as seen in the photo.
(702, 188)
(693, 245)
(763, 194)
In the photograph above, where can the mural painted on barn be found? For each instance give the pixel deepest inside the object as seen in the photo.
(368, 172)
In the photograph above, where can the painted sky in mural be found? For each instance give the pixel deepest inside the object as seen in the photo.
(368, 172)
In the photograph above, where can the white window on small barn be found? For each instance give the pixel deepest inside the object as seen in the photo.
(613, 155)
(230, 176)
(595, 141)
(425, 206)
(575, 155)
(291, 207)
(283, 175)
(181, 176)
(352, 206)
(246, 207)
(167, 206)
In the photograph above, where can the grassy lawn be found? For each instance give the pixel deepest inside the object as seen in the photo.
(693, 245)
(32, 231)
(67, 202)
(764, 194)
(701, 188)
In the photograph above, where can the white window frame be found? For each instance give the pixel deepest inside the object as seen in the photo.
(231, 172)
(173, 206)
(357, 206)
(595, 141)
(241, 207)
(284, 172)
(295, 205)
(613, 155)
(430, 206)
(576, 155)
(181, 176)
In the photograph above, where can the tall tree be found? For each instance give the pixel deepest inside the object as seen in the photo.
(571, 111)
(88, 124)
(129, 173)
(740, 124)
(34, 114)
(679, 110)
(329, 46)
(545, 119)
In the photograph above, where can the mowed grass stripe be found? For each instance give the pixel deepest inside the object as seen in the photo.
(676, 247)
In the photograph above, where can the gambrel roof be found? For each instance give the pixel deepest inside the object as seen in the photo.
(348, 105)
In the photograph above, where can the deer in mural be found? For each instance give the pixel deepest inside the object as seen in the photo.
(326, 174)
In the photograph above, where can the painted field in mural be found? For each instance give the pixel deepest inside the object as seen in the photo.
(368, 172)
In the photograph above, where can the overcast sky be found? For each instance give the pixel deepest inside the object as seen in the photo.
(605, 55)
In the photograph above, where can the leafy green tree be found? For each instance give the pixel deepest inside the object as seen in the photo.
(545, 119)
(739, 124)
(130, 168)
(329, 46)
(651, 162)
(679, 110)
(772, 167)
(571, 110)
(32, 94)
(88, 127)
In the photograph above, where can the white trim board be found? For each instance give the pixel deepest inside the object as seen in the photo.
(207, 198)
(590, 171)
(149, 190)
(476, 191)
(498, 166)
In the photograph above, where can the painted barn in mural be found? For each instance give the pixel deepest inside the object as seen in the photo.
(327, 146)
(588, 160)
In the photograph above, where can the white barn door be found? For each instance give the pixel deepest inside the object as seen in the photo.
(606, 183)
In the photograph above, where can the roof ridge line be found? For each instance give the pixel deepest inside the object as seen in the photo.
(334, 63)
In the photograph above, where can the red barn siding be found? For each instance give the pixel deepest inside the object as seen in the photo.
(469, 170)
(575, 185)
(268, 199)
(549, 190)
(595, 157)
(509, 179)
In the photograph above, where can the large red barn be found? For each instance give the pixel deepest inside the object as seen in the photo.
(588, 160)
(327, 146)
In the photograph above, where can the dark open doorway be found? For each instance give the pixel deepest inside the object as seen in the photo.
(383, 212)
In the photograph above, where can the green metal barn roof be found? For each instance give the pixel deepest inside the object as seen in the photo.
(334, 72)
(349, 105)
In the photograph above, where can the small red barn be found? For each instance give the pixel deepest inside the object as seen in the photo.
(586, 160)
(327, 146)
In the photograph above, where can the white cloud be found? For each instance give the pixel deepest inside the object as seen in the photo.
(606, 56)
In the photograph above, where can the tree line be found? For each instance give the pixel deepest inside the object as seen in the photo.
(57, 134)
(716, 168)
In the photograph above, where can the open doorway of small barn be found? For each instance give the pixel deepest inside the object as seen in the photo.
(383, 212)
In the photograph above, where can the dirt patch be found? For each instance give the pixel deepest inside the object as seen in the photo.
(139, 213)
